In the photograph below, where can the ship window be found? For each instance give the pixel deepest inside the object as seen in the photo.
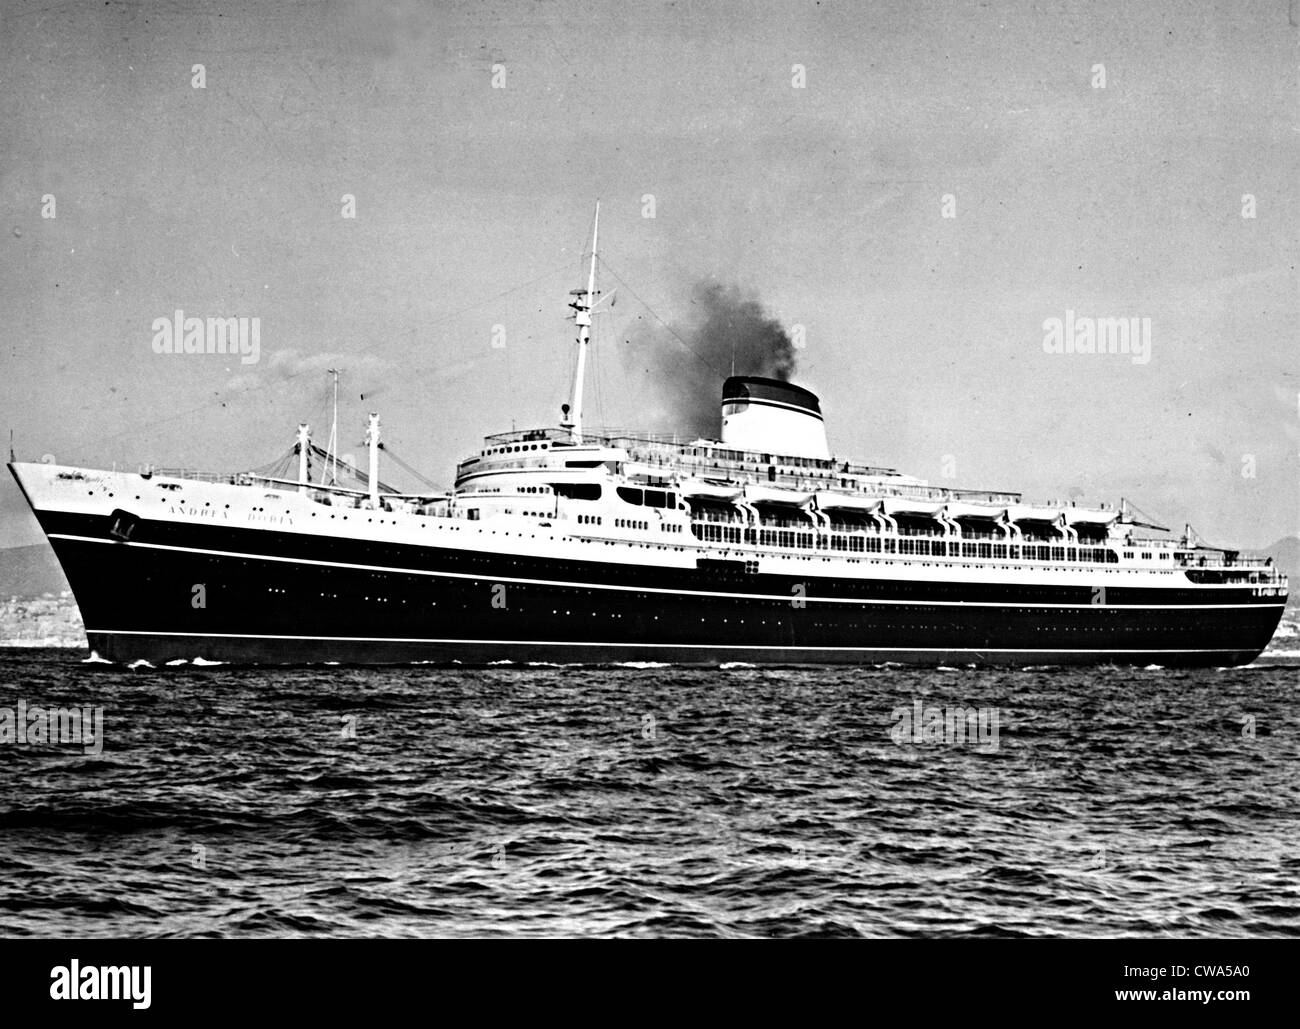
(630, 495)
(577, 490)
(655, 498)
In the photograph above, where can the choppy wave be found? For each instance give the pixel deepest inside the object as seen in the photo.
(652, 801)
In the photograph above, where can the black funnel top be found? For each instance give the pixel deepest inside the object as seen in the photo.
(755, 387)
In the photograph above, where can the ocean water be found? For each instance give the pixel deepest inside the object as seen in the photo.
(651, 801)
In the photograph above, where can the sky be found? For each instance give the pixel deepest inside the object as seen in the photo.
(913, 190)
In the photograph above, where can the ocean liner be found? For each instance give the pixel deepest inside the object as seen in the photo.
(574, 544)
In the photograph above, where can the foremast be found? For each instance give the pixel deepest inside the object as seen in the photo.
(582, 304)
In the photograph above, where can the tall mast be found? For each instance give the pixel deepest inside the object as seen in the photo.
(332, 464)
(582, 307)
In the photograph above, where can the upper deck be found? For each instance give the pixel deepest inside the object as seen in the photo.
(668, 456)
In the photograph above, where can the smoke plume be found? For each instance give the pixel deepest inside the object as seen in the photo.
(731, 328)
(724, 330)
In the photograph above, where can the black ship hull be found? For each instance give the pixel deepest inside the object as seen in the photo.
(163, 591)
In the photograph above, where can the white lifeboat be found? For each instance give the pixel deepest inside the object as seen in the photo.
(1034, 513)
(1084, 516)
(756, 494)
(847, 502)
(959, 509)
(916, 508)
(700, 489)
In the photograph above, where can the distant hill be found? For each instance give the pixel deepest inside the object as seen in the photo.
(30, 572)
(1285, 554)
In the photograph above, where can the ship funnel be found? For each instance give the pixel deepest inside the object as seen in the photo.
(772, 416)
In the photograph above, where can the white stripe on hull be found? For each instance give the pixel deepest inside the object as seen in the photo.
(679, 646)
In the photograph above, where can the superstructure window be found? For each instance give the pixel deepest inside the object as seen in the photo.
(577, 490)
(631, 495)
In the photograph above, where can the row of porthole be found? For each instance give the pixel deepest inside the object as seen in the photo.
(872, 600)
(516, 449)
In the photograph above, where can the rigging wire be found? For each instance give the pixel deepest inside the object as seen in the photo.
(420, 476)
(703, 362)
